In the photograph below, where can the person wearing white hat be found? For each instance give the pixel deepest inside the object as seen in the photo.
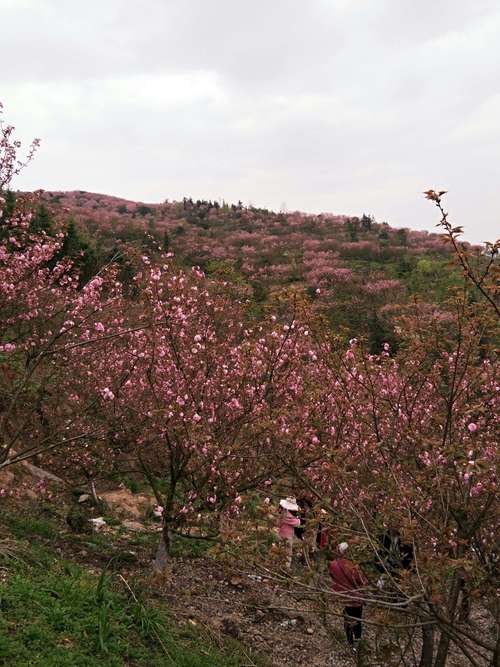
(288, 521)
(343, 546)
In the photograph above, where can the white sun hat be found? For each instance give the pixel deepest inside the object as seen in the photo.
(289, 504)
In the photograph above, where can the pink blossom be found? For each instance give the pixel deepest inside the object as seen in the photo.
(107, 394)
(472, 427)
(476, 489)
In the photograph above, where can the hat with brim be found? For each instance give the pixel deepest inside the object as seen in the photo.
(343, 547)
(289, 504)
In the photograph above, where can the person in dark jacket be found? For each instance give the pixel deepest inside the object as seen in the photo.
(347, 581)
(392, 556)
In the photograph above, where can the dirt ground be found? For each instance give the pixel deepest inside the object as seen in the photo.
(255, 611)
(222, 598)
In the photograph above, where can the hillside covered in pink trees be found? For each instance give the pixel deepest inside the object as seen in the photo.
(358, 271)
(215, 359)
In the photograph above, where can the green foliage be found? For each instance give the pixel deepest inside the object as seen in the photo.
(41, 221)
(9, 205)
(223, 269)
(25, 526)
(133, 484)
(7, 211)
(432, 277)
(56, 614)
(366, 222)
(73, 243)
(380, 332)
(402, 237)
(424, 267)
(143, 210)
(190, 547)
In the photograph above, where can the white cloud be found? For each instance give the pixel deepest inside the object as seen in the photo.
(327, 105)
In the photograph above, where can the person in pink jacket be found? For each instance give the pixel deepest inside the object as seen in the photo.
(288, 522)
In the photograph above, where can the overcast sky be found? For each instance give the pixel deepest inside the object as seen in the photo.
(347, 106)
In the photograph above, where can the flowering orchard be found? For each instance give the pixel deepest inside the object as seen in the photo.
(407, 445)
(191, 389)
(175, 376)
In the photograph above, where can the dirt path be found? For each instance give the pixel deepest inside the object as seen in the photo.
(269, 619)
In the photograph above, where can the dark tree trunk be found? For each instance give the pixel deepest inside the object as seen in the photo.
(465, 603)
(427, 654)
(444, 640)
(495, 660)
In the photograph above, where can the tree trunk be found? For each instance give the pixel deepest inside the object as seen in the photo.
(163, 551)
(427, 653)
(444, 640)
(442, 652)
(465, 603)
(93, 493)
(495, 660)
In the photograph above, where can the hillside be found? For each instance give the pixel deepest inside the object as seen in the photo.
(358, 271)
(216, 402)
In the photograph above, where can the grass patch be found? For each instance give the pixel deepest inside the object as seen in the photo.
(27, 526)
(54, 613)
(190, 547)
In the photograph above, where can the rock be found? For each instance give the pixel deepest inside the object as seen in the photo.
(83, 498)
(134, 526)
(125, 502)
(157, 511)
(237, 582)
(98, 523)
(41, 474)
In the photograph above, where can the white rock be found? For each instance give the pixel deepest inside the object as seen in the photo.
(97, 523)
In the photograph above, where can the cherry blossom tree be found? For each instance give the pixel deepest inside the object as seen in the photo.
(408, 446)
(191, 391)
(44, 314)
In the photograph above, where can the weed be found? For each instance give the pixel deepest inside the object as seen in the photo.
(25, 526)
(53, 613)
